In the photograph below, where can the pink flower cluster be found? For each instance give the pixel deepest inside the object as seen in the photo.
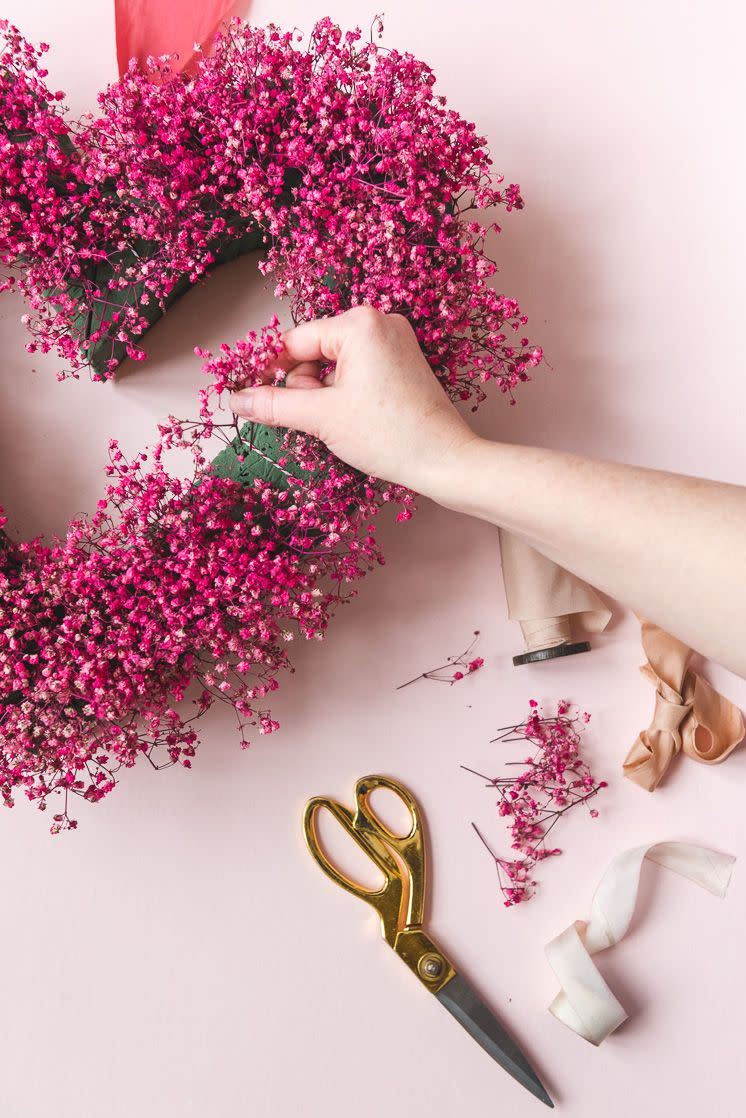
(336, 156)
(172, 588)
(555, 780)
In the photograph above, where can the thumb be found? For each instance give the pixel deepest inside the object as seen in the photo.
(279, 407)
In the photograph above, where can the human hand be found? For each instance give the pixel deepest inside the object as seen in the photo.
(381, 409)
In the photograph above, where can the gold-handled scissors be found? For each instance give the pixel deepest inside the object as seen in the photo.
(400, 904)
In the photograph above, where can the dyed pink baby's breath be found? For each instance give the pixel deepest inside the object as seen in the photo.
(556, 778)
(173, 589)
(456, 667)
(364, 188)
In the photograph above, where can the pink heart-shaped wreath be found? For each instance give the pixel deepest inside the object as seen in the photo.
(362, 188)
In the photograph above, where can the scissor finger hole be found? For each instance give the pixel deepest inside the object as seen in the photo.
(342, 852)
(391, 812)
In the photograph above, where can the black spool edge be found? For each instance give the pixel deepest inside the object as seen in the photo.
(539, 654)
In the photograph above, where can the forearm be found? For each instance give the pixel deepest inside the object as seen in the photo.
(672, 548)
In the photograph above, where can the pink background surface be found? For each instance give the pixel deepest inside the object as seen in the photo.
(181, 954)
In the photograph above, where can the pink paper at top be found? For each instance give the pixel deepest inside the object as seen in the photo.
(155, 27)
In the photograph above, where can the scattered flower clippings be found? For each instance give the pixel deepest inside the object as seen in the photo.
(555, 779)
(455, 667)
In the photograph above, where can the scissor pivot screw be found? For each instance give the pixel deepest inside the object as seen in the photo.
(431, 966)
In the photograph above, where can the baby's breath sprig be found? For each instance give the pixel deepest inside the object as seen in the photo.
(554, 779)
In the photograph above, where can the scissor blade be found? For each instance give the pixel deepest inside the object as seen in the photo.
(469, 1010)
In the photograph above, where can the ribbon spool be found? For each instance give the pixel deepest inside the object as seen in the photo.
(547, 638)
(543, 597)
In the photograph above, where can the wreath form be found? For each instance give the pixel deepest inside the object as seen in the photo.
(362, 188)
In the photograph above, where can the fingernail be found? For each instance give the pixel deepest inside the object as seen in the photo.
(242, 402)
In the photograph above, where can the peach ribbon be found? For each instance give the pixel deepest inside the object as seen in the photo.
(156, 27)
(543, 596)
(690, 716)
(585, 1003)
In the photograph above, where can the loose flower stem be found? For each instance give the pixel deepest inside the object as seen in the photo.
(453, 662)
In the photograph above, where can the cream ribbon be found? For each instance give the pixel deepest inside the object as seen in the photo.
(585, 1003)
(542, 596)
(690, 716)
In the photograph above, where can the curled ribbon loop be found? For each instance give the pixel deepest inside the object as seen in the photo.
(690, 716)
(585, 1003)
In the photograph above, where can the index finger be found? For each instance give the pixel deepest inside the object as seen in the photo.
(318, 339)
(309, 344)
